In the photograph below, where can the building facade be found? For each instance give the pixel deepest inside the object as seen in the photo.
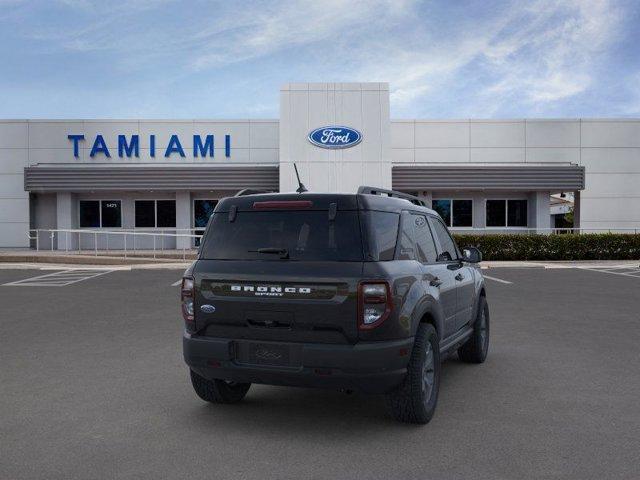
(167, 175)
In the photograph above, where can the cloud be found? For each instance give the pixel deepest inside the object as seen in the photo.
(469, 58)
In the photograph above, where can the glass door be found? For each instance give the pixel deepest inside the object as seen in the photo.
(202, 210)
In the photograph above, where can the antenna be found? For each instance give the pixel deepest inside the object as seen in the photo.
(301, 188)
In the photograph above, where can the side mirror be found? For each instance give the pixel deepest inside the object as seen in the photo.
(471, 255)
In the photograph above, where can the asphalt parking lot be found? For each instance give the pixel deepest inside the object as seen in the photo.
(92, 385)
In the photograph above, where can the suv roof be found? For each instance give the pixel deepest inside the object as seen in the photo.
(322, 201)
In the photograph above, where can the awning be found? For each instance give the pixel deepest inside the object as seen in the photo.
(74, 178)
(555, 178)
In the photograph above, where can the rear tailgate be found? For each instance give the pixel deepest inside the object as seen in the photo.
(277, 300)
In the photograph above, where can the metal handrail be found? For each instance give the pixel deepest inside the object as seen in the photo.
(67, 232)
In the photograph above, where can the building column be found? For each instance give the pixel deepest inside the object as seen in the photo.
(66, 218)
(427, 198)
(576, 209)
(183, 220)
(539, 212)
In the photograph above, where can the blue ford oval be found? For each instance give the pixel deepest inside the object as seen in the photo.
(335, 136)
(208, 308)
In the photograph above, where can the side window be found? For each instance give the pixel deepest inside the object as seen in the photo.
(406, 242)
(449, 251)
(424, 239)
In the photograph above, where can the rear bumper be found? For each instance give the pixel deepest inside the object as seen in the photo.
(371, 367)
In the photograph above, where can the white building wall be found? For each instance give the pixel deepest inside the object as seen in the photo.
(608, 149)
(307, 106)
(14, 201)
(611, 155)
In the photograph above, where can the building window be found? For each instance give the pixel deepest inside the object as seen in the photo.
(517, 213)
(90, 214)
(100, 213)
(507, 213)
(145, 213)
(155, 213)
(456, 213)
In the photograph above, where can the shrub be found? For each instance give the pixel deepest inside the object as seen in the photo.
(587, 246)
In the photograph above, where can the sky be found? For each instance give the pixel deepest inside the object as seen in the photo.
(228, 59)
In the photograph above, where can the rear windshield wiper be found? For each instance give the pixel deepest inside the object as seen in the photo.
(283, 252)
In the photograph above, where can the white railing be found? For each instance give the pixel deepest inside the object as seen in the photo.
(126, 240)
(553, 231)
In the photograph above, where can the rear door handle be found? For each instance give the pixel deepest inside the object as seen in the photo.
(435, 282)
(459, 277)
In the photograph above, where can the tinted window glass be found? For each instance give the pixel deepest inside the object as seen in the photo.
(517, 213)
(462, 213)
(166, 213)
(496, 213)
(443, 207)
(446, 242)
(111, 214)
(90, 214)
(382, 228)
(306, 235)
(407, 250)
(145, 213)
(424, 240)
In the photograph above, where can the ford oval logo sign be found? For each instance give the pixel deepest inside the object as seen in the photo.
(207, 308)
(335, 136)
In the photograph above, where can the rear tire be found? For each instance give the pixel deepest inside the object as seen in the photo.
(477, 347)
(218, 391)
(414, 401)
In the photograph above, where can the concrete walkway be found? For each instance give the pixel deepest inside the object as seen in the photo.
(88, 257)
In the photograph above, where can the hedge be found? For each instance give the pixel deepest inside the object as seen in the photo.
(586, 246)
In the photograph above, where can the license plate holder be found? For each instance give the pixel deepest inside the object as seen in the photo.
(272, 354)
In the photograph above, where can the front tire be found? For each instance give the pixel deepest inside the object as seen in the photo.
(476, 348)
(218, 391)
(414, 401)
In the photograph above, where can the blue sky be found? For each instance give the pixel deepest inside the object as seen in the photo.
(443, 59)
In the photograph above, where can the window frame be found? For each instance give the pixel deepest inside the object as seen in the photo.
(506, 213)
(155, 213)
(100, 200)
(451, 199)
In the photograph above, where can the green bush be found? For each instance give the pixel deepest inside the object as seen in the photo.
(587, 246)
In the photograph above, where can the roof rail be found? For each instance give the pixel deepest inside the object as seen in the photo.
(391, 193)
(250, 191)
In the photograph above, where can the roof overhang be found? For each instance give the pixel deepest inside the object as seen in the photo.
(554, 178)
(74, 178)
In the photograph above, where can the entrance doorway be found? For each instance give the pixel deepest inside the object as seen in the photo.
(202, 211)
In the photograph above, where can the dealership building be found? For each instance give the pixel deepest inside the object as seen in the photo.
(167, 175)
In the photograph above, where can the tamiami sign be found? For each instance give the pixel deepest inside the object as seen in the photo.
(203, 146)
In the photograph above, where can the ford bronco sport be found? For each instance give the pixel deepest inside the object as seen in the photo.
(363, 292)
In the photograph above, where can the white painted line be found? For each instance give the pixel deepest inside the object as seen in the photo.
(634, 275)
(175, 284)
(59, 279)
(499, 280)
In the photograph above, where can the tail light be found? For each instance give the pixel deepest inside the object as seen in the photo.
(186, 298)
(374, 304)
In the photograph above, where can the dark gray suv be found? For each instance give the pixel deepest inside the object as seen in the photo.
(363, 292)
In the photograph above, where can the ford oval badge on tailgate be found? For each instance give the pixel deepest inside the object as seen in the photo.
(335, 136)
(207, 308)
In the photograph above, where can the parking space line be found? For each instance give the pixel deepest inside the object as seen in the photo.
(615, 271)
(499, 280)
(175, 284)
(59, 279)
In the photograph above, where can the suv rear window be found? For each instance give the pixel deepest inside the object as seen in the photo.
(305, 235)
